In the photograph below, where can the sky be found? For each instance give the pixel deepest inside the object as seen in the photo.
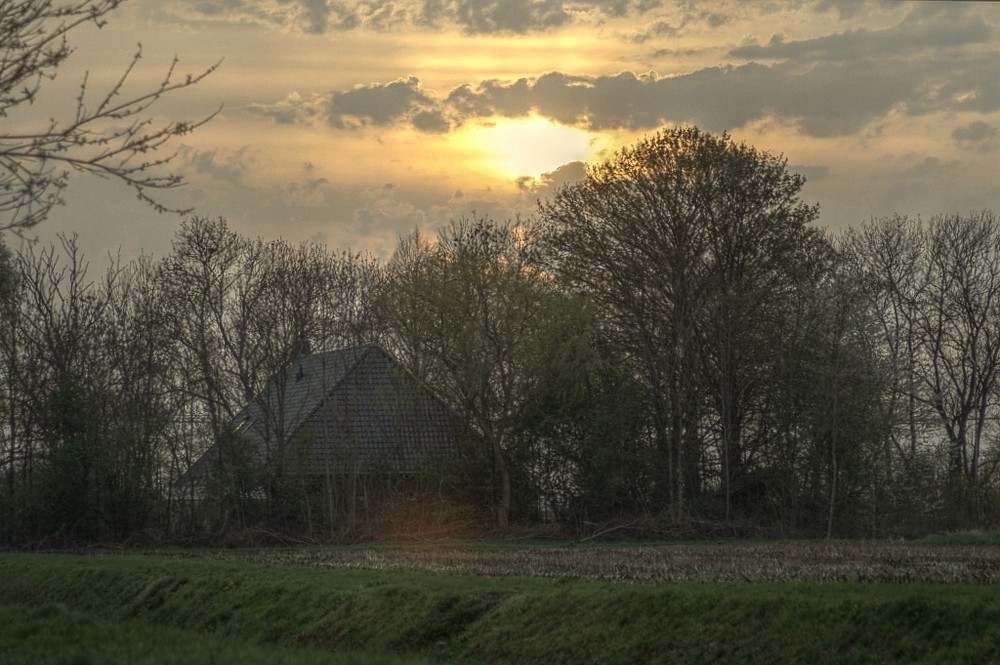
(351, 122)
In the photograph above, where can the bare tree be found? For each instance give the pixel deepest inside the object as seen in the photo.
(960, 323)
(110, 135)
(242, 310)
(935, 291)
(887, 257)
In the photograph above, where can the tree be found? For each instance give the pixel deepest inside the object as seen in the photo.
(960, 324)
(462, 311)
(111, 135)
(935, 288)
(9, 443)
(242, 310)
(689, 242)
(581, 429)
(89, 407)
(887, 259)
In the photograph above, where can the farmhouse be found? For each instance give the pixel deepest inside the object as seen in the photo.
(339, 426)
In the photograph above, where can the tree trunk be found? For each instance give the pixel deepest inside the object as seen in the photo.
(503, 506)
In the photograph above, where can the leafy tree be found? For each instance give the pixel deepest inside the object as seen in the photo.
(110, 135)
(462, 311)
(70, 486)
(581, 431)
(690, 242)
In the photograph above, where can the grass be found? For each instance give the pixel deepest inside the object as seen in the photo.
(461, 617)
(52, 634)
(963, 538)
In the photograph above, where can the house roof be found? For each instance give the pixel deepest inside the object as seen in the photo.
(284, 405)
(355, 409)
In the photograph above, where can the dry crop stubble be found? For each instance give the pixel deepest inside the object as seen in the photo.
(820, 561)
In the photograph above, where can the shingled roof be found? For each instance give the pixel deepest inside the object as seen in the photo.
(354, 410)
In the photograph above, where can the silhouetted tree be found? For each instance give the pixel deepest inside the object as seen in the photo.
(692, 243)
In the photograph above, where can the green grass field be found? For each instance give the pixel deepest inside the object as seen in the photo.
(52, 634)
(525, 604)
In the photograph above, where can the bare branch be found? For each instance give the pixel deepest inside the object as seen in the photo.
(116, 138)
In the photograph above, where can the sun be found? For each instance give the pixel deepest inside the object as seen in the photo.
(528, 147)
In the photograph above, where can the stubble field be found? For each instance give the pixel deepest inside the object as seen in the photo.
(808, 561)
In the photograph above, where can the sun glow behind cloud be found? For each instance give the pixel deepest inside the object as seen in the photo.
(513, 148)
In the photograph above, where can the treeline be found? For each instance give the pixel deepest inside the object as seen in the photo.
(668, 343)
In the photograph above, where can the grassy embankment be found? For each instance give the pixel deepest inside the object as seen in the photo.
(222, 610)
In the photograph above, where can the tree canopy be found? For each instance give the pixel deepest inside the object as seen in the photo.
(670, 348)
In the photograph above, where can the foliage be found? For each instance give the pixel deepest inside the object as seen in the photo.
(462, 312)
(693, 246)
(672, 349)
(233, 481)
(580, 435)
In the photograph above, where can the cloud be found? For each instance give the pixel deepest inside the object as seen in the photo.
(519, 16)
(832, 100)
(223, 167)
(384, 105)
(978, 136)
(830, 86)
(293, 109)
(914, 35)
(835, 85)
(472, 16)
(825, 98)
(548, 183)
(431, 121)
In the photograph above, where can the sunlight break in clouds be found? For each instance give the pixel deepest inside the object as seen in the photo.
(527, 147)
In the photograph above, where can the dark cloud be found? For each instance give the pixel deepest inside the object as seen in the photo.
(541, 187)
(380, 104)
(474, 16)
(519, 16)
(978, 136)
(432, 122)
(909, 37)
(831, 86)
(682, 18)
(315, 15)
(489, 97)
(826, 98)
(833, 100)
